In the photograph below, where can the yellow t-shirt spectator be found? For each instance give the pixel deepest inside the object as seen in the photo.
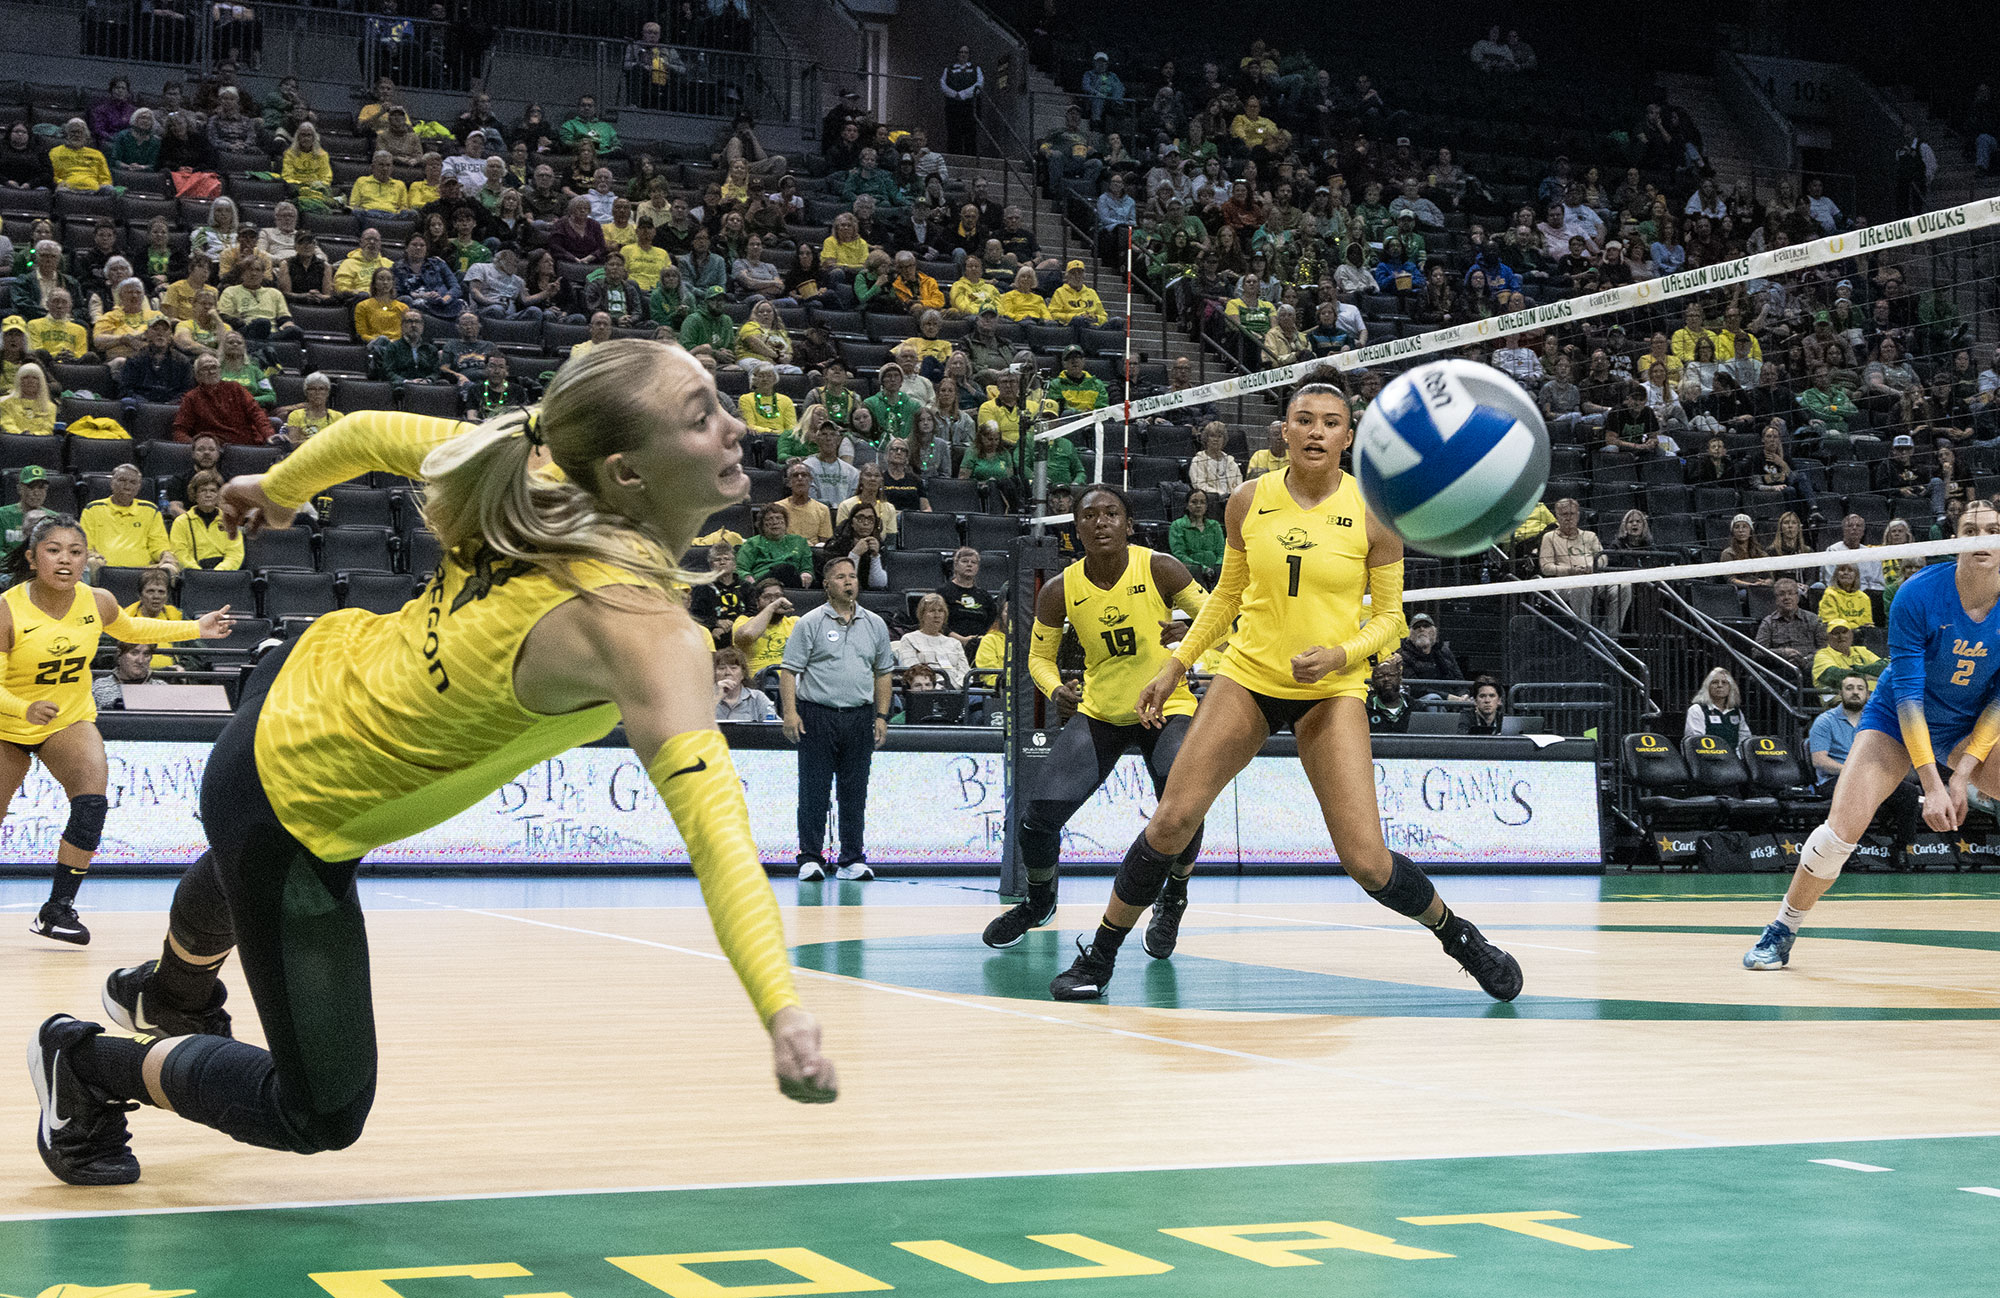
(1016, 305)
(1255, 132)
(929, 349)
(355, 272)
(991, 655)
(302, 423)
(1265, 462)
(768, 650)
(644, 265)
(812, 520)
(777, 414)
(1009, 421)
(1066, 304)
(423, 193)
(21, 416)
(374, 319)
(61, 339)
(205, 543)
(370, 194)
(853, 254)
(83, 169)
(128, 536)
(1856, 656)
(1684, 342)
(969, 296)
(115, 328)
(168, 614)
(616, 237)
(1849, 606)
(313, 169)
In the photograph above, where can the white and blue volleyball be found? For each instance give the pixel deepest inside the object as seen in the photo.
(1452, 455)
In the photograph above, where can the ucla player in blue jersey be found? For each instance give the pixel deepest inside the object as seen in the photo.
(1938, 696)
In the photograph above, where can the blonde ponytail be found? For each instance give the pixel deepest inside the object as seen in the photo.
(480, 494)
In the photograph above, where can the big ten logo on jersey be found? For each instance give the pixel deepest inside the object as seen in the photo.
(1340, 520)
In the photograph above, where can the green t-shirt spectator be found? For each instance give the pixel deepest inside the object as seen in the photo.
(1253, 318)
(12, 519)
(998, 468)
(602, 132)
(253, 378)
(1831, 407)
(758, 555)
(1065, 465)
(708, 323)
(894, 416)
(1197, 547)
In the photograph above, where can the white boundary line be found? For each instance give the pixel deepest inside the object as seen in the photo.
(692, 1187)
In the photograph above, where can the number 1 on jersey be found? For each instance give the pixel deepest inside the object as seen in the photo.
(1295, 562)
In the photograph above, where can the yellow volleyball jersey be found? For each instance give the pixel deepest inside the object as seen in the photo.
(51, 660)
(383, 725)
(1120, 633)
(1308, 570)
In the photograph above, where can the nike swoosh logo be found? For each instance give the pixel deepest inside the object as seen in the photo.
(1267, 511)
(54, 1120)
(699, 766)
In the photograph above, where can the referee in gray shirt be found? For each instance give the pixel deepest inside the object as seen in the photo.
(834, 683)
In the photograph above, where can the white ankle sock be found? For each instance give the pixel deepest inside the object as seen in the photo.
(1790, 916)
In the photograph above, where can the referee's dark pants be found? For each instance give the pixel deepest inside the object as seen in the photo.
(837, 745)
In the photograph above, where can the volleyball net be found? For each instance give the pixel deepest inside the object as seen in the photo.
(1610, 624)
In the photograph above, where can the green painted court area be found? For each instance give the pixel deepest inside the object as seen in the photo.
(1693, 1222)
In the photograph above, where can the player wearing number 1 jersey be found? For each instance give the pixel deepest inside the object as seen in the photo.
(49, 627)
(1940, 695)
(1119, 598)
(1302, 549)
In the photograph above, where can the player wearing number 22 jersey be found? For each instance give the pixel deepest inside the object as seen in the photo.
(1118, 598)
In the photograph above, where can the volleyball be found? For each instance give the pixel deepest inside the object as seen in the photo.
(1452, 455)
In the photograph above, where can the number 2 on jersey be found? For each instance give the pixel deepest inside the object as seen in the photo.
(1963, 676)
(59, 671)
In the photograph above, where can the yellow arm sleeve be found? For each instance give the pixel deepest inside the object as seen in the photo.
(152, 630)
(698, 783)
(1192, 598)
(1916, 733)
(1985, 732)
(1042, 668)
(370, 441)
(11, 704)
(1385, 625)
(1218, 611)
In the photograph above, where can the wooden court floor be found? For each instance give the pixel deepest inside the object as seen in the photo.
(575, 1100)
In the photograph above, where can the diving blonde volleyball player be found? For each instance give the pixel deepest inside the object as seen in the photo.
(1302, 548)
(50, 622)
(550, 620)
(1120, 598)
(1939, 694)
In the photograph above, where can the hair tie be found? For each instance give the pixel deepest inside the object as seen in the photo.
(532, 429)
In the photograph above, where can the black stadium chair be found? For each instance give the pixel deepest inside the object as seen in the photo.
(1776, 773)
(19, 450)
(290, 547)
(298, 595)
(436, 400)
(920, 531)
(350, 506)
(421, 553)
(98, 454)
(914, 569)
(123, 583)
(205, 591)
(1715, 770)
(1653, 764)
(370, 549)
(378, 592)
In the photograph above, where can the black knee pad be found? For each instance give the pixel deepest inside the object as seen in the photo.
(1409, 891)
(200, 918)
(1141, 873)
(85, 829)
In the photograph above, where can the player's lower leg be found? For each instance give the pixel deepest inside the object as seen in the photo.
(1163, 934)
(1821, 860)
(82, 1135)
(1141, 875)
(1409, 891)
(57, 918)
(181, 993)
(1040, 847)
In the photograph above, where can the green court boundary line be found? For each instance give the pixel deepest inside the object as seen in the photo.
(306, 1204)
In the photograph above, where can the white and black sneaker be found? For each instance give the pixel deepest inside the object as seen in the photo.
(811, 871)
(1086, 979)
(855, 871)
(57, 921)
(135, 1005)
(81, 1135)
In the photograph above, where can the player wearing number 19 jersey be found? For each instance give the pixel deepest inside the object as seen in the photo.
(1118, 597)
(1936, 709)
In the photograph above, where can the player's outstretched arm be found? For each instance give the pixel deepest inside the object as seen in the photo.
(636, 648)
(370, 441)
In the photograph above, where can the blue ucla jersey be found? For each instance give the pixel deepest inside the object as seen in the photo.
(1944, 668)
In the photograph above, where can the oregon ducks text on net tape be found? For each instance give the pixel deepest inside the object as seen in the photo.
(1651, 292)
